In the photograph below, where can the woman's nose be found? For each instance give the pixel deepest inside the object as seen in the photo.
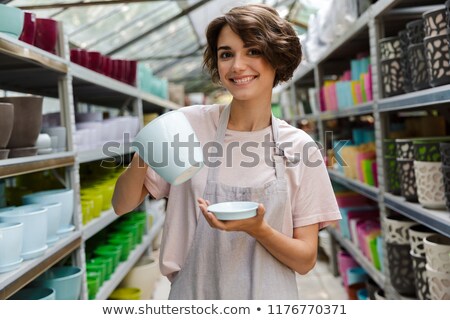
(238, 63)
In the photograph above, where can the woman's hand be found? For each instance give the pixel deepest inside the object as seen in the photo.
(254, 226)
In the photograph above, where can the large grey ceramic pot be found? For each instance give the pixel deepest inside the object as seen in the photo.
(6, 123)
(401, 268)
(27, 120)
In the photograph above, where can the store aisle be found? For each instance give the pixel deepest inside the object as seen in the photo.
(319, 284)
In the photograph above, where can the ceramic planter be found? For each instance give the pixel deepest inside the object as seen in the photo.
(6, 123)
(27, 120)
(430, 184)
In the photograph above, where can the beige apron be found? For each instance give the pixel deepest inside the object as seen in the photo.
(233, 265)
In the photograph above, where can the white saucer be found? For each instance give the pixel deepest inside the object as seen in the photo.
(34, 254)
(63, 232)
(234, 210)
(52, 240)
(10, 266)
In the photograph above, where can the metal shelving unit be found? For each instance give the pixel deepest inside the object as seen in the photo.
(379, 14)
(25, 68)
(123, 268)
(417, 99)
(18, 166)
(13, 281)
(359, 110)
(374, 273)
(98, 224)
(357, 186)
(438, 220)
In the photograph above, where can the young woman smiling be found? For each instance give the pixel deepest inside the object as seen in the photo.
(249, 50)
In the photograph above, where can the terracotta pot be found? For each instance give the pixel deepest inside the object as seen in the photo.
(27, 120)
(6, 123)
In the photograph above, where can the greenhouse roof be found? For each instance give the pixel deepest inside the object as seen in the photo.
(168, 36)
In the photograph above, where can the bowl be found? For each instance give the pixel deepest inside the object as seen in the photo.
(11, 21)
(34, 219)
(65, 280)
(235, 210)
(11, 242)
(143, 275)
(34, 294)
(170, 147)
(65, 196)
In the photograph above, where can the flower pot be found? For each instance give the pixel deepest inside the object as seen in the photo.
(27, 120)
(6, 123)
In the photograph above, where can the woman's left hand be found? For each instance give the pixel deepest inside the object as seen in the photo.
(252, 225)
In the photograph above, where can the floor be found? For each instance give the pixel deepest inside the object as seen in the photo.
(318, 284)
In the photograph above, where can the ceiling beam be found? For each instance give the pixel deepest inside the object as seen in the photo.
(80, 4)
(168, 21)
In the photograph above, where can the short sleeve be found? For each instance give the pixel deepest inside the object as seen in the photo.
(314, 201)
(157, 186)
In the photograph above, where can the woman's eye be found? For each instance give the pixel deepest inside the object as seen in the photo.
(254, 52)
(225, 55)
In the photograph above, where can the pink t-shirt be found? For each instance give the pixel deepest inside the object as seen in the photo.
(310, 193)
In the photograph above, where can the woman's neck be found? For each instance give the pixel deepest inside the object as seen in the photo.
(249, 117)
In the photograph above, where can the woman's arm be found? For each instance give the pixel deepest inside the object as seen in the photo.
(298, 253)
(130, 191)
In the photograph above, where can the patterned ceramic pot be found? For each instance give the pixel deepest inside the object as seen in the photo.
(436, 52)
(407, 179)
(430, 184)
(417, 233)
(401, 268)
(420, 276)
(397, 229)
(439, 284)
(437, 252)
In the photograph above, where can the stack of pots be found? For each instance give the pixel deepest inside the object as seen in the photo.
(405, 167)
(445, 160)
(417, 234)
(437, 46)
(437, 254)
(416, 55)
(428, 172)
(392, 75)
(390, 160)
(20, 124)
(405, 62)
(398, 254)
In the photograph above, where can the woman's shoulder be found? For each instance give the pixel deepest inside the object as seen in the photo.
(200, 113)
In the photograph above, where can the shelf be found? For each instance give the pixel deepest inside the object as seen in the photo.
(373, 272)
(417, 99)
(92, 87)
(153, 103)
(17, 166)
(122, 269)
(357, 186)
(303, 70)
(359, 110)
(383, 7)
(97, 224)
(13, 281)
(25, 68)
(100, 154)
(438, 220)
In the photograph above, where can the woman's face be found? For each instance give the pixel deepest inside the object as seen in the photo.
(243, 70)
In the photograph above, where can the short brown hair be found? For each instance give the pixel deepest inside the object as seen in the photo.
(257, 25)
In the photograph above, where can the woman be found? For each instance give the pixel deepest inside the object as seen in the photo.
(249, 51)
